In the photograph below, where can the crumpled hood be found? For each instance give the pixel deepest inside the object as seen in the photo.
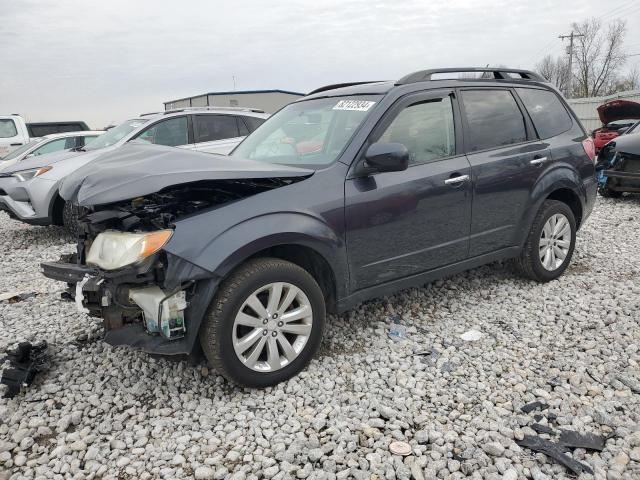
(618, 110)
(136, 170)
(41, 161)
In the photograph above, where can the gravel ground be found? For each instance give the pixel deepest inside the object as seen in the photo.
(103, 412)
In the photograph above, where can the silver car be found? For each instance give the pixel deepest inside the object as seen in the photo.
(29, 189)
(55, 142)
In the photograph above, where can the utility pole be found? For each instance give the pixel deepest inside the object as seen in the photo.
(571, 36)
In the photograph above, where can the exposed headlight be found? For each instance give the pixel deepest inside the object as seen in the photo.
(25, 175)
(111, 250)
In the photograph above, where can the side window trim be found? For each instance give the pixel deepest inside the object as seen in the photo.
(528, 127)
(406, 101)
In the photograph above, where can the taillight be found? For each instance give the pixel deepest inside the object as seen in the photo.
(589, 148)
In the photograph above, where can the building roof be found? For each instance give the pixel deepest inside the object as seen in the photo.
(239, 92)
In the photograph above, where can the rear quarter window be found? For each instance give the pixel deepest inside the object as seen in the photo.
(253, 122)
(549, 116)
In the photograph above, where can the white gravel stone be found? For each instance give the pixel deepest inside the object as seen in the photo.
(104, 412)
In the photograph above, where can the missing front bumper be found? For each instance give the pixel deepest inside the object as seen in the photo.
(141, 306)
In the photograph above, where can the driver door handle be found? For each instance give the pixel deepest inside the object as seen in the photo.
(538, 161)
(456, 180)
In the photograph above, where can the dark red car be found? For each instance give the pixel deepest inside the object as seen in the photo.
(616, 116)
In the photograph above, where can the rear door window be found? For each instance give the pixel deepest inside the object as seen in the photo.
(53, 146)
(549, 116)
(171, 132)
(493, 119)
(7, 128)
(208, 128)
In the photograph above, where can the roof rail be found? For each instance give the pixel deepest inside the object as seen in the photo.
(340, 85)
(149, 113)
(499, 73)
(213, 107)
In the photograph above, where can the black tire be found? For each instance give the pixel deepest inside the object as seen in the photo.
(70, 218)
(606, 192)
(216, 333)
(528, 264)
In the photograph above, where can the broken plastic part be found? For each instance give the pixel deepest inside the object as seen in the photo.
(555, 451)
(25, 362)
(589, 441)
(530, 407)
(162, 313)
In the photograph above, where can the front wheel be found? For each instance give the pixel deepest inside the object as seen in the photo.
(264, 324)
(549, 246)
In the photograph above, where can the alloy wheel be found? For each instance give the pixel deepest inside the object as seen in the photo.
(555, 241)
(272, 327)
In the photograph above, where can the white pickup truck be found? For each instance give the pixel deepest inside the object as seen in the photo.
(13, 133)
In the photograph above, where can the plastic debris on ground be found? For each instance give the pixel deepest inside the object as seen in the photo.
(397, 331)
(471, 335)
(555, 451)
(25, 361)
(15, 297)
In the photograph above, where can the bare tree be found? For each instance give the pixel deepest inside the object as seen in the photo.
(631, 81)
(554, 70)
(599, 57)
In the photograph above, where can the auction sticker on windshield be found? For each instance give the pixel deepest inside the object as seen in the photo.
(355, 105)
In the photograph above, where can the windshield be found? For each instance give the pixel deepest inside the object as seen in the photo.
(114, 135)
(308, 134)
(20, 150)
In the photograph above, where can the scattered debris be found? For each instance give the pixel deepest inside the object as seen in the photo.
(530, 407)
(25, 361)
(471, 335)
(397, 331)
(539, 428)
(555, 451)
(15, 297)
(589, 441)
(400, 448)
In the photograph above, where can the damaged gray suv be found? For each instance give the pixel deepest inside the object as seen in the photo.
(353, 192)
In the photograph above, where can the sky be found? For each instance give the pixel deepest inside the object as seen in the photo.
(106, 61)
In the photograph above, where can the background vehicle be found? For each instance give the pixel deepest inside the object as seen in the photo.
(29, 189)
(40, 129)
(616, 116)
(13, 133)
(619, 165)
(353, 192)
(55, 142)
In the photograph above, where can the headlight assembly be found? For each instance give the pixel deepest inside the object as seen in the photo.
(112, 250)
(25, 175)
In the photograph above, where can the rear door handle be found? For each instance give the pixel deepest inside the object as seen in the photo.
(16, 144)
(538, 161)
(456, 180)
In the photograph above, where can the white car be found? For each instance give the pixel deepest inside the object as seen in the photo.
(29, 189)
(13, 133)
(56, 142)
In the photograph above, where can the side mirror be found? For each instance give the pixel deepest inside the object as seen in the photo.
(387, 157)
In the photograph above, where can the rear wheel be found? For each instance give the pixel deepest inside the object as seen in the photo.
(70, 218)
(549, 246)
(264, 324)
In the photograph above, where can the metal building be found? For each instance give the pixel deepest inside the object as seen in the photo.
(586, 108)
(268, 100)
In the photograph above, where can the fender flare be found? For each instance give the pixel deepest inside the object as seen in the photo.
(559, 177)
(226, 251)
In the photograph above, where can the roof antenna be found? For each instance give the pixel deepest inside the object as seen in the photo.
(234, 82)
